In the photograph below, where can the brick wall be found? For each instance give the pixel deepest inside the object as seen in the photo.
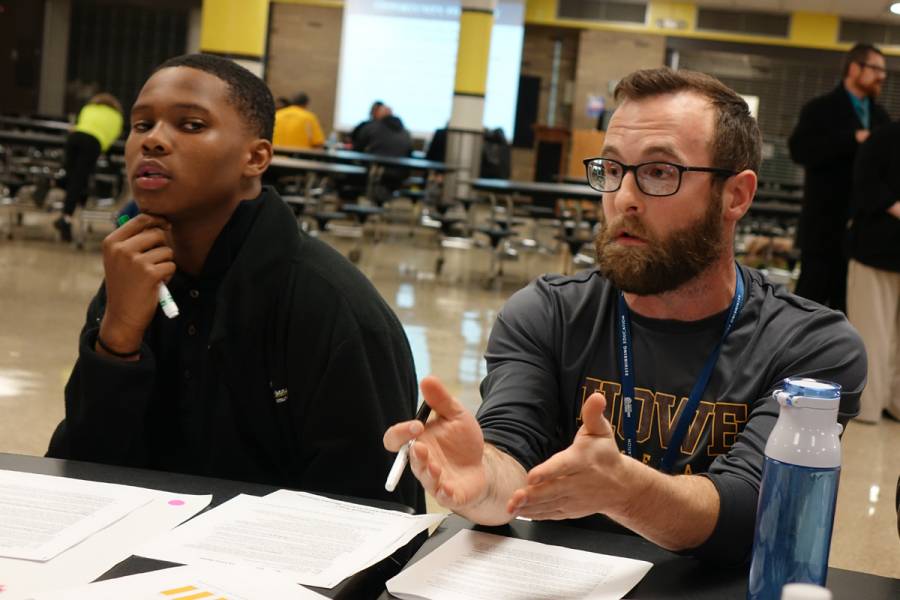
(304, 52)
(605, 57)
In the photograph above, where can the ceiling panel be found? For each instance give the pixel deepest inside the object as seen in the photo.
(868, 9)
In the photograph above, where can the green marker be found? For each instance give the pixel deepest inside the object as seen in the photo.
(166, 302)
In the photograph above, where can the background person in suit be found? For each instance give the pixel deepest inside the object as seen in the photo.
(873, 282)
(825, 140)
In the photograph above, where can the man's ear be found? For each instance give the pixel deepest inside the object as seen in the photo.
(259, 155)
(738, 194)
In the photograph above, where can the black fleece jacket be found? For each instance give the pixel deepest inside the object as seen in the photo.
(288, 374)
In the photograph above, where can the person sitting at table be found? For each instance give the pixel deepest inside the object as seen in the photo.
(354, 134)
(296, 126)
(99, 125)
(284, 366)
(386, 135)
(596, 399)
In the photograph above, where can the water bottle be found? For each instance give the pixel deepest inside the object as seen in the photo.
(332, 142)
(799, 487)
(804, 591)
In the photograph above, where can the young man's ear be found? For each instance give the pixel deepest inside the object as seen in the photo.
(258, 158)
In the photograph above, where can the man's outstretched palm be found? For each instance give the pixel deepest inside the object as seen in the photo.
(447, 454)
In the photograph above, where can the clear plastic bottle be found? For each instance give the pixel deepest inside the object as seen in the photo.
(798, 491)
(804, 591)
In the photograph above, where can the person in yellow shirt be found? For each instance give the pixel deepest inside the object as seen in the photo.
(99, 125)
(298, 127)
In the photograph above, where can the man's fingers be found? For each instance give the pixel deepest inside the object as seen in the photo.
(151, 237)
(399, 434)
(595, 423)
(559, 465)
(439, 399)
(138, 224)
(428, 473)
(160, 254)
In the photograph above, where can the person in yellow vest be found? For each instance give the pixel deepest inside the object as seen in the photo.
(298, 127)
(99, 125)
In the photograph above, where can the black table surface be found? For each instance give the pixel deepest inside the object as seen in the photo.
(39, 139)
(32, 138)
(301, 165)
(536, 188)
(35, 124)
(353, 157)
(368, 583)
(673, 576)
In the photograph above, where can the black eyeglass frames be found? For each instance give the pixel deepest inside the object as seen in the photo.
(656, 178)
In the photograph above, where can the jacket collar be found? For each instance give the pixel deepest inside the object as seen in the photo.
(271, 243)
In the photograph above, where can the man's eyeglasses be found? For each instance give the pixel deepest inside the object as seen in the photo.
(876, 68)
(653, 178)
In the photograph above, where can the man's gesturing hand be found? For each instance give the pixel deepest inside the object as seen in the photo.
(584, 479)
(447, 456)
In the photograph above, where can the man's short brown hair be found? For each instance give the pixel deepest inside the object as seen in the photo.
(736, 142)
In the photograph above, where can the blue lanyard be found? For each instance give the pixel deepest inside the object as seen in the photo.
(626, 364)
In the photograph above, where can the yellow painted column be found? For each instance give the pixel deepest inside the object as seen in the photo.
(464, 135)
(237, 29)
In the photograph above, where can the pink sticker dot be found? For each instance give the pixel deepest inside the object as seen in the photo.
(176, 502)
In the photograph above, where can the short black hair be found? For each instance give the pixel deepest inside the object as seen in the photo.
(246, 92)
(301, 99)
(859, 53)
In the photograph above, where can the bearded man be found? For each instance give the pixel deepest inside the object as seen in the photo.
(640, 393)
(828, 134)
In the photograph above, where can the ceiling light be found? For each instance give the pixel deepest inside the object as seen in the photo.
(895, 8)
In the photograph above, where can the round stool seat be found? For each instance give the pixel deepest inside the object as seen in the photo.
(361, 212)
(496, 234)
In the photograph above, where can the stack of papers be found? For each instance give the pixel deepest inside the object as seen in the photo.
(188, 583)
(312, 540)
(43, 516)
(480, 566)
(58, 532)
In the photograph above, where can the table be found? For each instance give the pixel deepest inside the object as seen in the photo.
(351, 156)
(365, 584)
(32, 138)
(672, 575)
(549, 192)
(376, 164)
(299, 165)
(37, 124)
(538, 189)
(46, 140)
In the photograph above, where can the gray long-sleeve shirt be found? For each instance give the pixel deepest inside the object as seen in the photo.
(554, 344)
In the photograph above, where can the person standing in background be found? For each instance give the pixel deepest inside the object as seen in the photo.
(99, 125)
(298, 127)
(825, 141)
(873, 281)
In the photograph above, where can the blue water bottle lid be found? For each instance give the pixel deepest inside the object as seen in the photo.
(812, 388)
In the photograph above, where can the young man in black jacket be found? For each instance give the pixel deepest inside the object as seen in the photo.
(825, 140)
(284, 366)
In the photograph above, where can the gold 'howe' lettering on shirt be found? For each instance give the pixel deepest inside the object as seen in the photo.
(658, 414)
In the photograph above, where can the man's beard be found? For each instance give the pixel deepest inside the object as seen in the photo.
(660, 265)
(872, 89)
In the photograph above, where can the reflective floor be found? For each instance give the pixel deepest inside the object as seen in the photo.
(45, 287)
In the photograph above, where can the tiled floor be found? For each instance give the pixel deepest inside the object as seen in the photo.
(45, 288)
